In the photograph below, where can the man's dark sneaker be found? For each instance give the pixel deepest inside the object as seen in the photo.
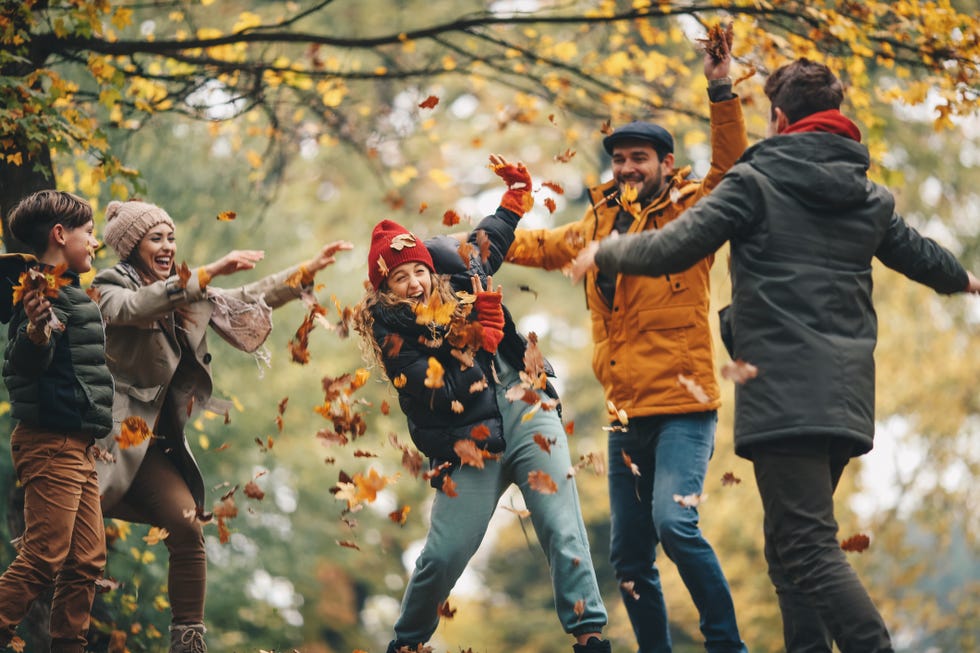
(594, 645)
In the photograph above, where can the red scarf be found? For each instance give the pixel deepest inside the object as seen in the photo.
(832, 121)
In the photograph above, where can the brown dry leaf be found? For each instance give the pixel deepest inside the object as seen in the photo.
(483, 244)
(392, 345)
(694, 389)
(465, 251)
(739, 371)
(550, 205)
(606, 128)
(279, 423)
(183, 275)
(450, 218)
(449, 486)
(480, 432)
(93, 293)
(579, 608)
(399, 516)
(544, 443)
(435, 471)
(554, 186)
(457, 406)
(435, 311)
(103, 585)
(301, 278)
(253, 491)
(361, 453)
(429, 102)
(446, 612)
(466, 358)
(748, 74)
(729, 478)
(385, 408)
(434, 374)
(716, 40)
(856, 543)
(565, 157)
(690, 500)
(117, 642)
(133, 432)
(470, 454)
(629, 463)
(17, 644)
(227, 216)
(348, 544)
(570, 427)
(541, 482)
(478, 386)
(103, 455)
(629, 587)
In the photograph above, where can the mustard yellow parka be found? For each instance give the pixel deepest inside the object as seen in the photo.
(657, 328)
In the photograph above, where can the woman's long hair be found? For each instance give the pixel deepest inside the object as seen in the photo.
(363, 319)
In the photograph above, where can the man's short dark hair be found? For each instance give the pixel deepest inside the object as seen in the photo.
(34, 216)
(802, 88)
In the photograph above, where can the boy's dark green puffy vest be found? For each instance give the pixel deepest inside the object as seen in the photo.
(65, 385)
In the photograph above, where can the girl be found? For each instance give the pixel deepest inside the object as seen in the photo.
(156, 345)
(453, 356)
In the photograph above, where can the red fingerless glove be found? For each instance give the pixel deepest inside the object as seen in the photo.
(517, 197)
(490, 312)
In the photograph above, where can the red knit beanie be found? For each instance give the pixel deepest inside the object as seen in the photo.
(392, 245)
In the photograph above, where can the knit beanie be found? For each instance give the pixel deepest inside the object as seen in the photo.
(392, 245)
(127, 222)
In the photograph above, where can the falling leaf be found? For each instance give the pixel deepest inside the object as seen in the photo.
(103, 585)
(435, 471)
(457, 407)
(392, 345)
(434, 374)
(541, 482)
(748, 74)
(690, 500)
(480, 432)
(449, 486)
(132, 432)
(629, 463)
(554, 186)
(465, 251)
(348, 544)
(606, 128)
(93, 293)
(579, 608)
(550, 205)
(279, 423)
(399, 516)
(470, 454)
(526, 288)
(422, 207)
(523, 514)
(156, 535)
(730, 479)
(483, 244)
(102, 455)
(429, 102)
(856, 543)
(565, 157)
(450, 218)
(446, 612)
(694, 388)
(403, 241)
(227, 216)
(223, 446)
(739, 371)
(183, 275)
(360, 453)
(385, 409)
(628, 586)
(435, 311)
(382, 266)
(478, 386)
(544, 443)
(300, 278)
(253, 491)
(570, 427)
(399, 381)
(17, 644)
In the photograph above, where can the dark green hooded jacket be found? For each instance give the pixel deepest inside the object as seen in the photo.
(804, 223)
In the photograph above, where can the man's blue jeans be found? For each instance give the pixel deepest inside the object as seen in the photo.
(671, 453)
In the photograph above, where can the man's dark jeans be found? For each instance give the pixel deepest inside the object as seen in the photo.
(820, 596)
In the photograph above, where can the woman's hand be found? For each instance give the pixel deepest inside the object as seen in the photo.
(326, 255)
(234, 261)
(517, 197)
(489, 312)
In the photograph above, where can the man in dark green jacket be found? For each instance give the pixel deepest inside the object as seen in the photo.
(804, 223)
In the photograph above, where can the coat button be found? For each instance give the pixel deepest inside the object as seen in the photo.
(612, 363)
(207, 359)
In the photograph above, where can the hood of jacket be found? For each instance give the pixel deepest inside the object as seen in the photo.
(819, 169)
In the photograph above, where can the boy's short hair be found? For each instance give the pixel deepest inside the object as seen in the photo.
(802, 88)
(34, 216)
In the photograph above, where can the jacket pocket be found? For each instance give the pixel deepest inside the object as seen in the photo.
(669, 317)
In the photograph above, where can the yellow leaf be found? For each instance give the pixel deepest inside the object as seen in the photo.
(441, 178)
(122, 17)
(156, 535)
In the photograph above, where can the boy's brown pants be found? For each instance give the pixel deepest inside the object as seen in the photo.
(64, 537)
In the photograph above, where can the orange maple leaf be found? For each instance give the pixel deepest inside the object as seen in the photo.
(449, 486)
(541, 482)
(385, 408)
(227, 216)
(429, 102)
(465, 251)
(156, 535)
(544, 443)
(435, 311)
(470, 454)
(253, 491)
(565, 157)
(730, 479)
(132, 432)
(483, 243)
(480, 432)
(570, 427)
(606, 128)
(392, 345)
(434, 374)
(450, 218)
(399, 516)
(554, 186)
(399, 381)
(183, 275)
(550, 205)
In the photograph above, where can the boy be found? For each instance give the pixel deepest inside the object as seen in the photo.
(61, 397)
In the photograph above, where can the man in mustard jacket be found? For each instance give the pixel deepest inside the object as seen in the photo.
(647, 332)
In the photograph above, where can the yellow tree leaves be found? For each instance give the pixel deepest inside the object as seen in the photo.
(133, 431)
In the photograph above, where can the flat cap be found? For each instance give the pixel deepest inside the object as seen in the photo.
(656, 135)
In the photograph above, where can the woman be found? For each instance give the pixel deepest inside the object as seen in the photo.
(420, 321)
(157, 317)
